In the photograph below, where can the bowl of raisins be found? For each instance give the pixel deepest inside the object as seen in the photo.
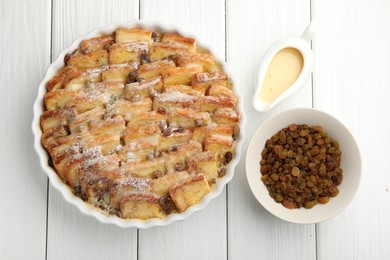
(303, 165)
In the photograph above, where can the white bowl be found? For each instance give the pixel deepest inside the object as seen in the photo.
(350, 163)
(63, 188)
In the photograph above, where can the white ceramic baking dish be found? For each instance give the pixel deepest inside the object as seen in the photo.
(63, 188)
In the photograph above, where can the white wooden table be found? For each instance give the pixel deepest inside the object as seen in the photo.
(351, 81)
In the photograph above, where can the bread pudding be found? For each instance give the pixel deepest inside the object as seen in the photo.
(140, 124)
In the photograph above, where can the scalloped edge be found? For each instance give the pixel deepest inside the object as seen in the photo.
(63, 188)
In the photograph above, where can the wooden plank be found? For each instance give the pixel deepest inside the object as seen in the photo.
(24, 56)
(203, 235)
(71, 235)
(352, 82)
(252, 26)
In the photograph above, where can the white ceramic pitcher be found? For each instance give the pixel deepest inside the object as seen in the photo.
(303, 46)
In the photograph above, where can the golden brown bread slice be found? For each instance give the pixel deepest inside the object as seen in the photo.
(53, 134)
(137, 150)
(200, 133)
(161, 185)
(177, 153)
(202, 81)
(56, 118)
(220, 144)
(167, 102)
(144, 131)
(114, 125)
(93, 95)
(184, 117)
(185, 89)
(90, 60)
(132, 35)
(119, 53)
(160, 50)
(140, 206)
(148, 118)
(81, 123)
(189, 191)
(166, 141)
(205, 61)
(59, 98)
(72, 78)
(88, 158)
(129, 110)
(119, 72)
(57, 81)
(77, 79)
(204, 162)
(180, 75)
(145, 89)
(95, 184)
(226, 116)
(96, 94)
(212, 103)
(146, 168)
(154, 69)
(96, 43)
(126, 185)
(179, 40)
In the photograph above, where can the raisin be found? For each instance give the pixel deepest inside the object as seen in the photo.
(180, 166)
(288, 204)
(167, 131)
(167, 204)
(135, 98)
(292, 127)
(66, 58)
(157, 174)
(162, 110)
(174, 58)
(144, 58)
(181, 129)
(156, 37)
(173, 148)
(132, 77)
(228, 157)
(221, 172)
(50, 162)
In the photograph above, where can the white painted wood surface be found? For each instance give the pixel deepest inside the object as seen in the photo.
(252, 231)
(24, 56)
(351, 81)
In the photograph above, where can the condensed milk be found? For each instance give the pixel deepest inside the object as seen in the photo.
(284, 69)
(282, 72)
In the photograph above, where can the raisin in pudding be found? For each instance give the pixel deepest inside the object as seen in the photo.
(140, 124)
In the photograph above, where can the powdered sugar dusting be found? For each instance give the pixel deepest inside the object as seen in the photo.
(204, 77)
(138, 183)
(94, 92)
(154, 65)
(226, 112)
(133, 65)
(140, 46)
(132, 157)
(175, 97)
(97, 70)
(78, 152)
